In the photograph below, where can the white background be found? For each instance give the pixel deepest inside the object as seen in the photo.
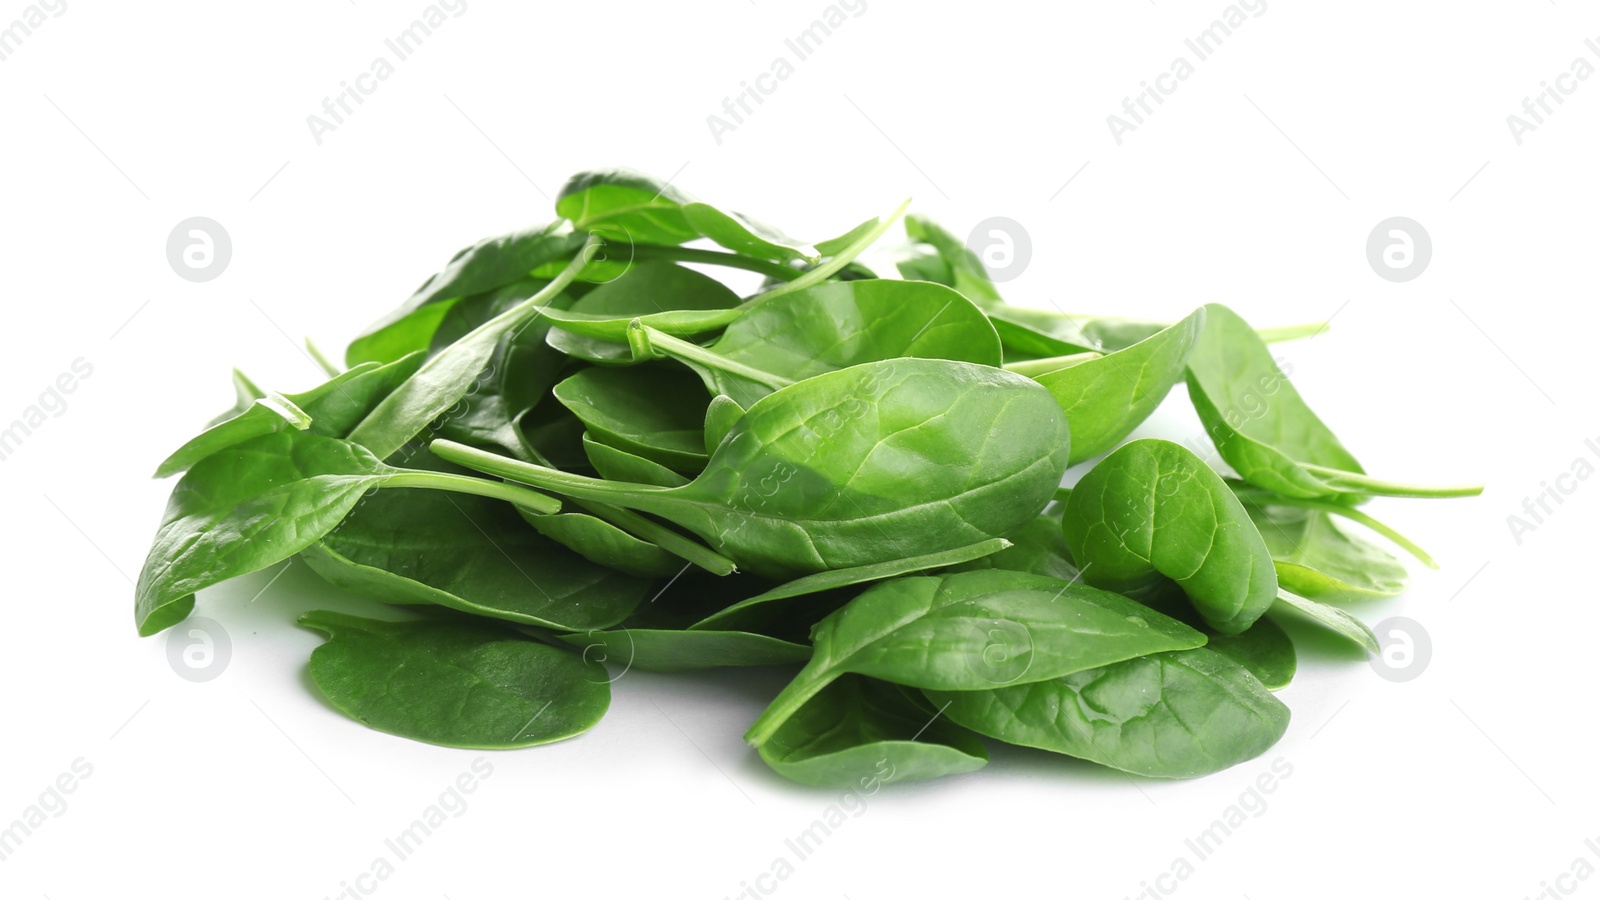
(1255, 184)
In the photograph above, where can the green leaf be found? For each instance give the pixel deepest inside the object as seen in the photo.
(656, 412)
(965, 271)
(619, 465)
(444, 379)
(675, 299)
(1332, 618)
(1263, 649)
(243, 508)
(972, 631)
(1037, 547)
(833, 326)
(745, 236)
(816, 476)
(664, 650)
(723, 412)
(859, 732)
(1316, 558)
(1106, 398)
(489, 264)
(626, 205)
(604, 544)
(472, 554)
(455, 683)
(1167, 715)
(1152, 516)
(764, 609)
(330, 409)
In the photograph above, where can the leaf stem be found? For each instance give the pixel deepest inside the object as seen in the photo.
(843, 258)
(717, 258)
(807, 684)
(648, 343)
(663, 537)
(554, 480)
(1291, 332)
(1362, 484)
(1036, 367)
(1267, 498)
(466, 484)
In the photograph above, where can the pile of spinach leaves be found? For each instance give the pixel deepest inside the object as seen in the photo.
(573, 452)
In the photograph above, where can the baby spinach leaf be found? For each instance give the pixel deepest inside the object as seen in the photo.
(1317, 559)
(1167, 715)
(857, 731)
(1037, 547)
(489, 264)
(656, 412)
(971, 631)
(744, 235)
(816, 476)
(604, 544)
(442, 381)
(330, 409)
(1332, 618)
(616, 464)
(760, 611)
(668, 650)
(455, 683)
(261, 501)
(1264, 429)
(1152, 515)
(1263, 649)
(472, 554)
(245, 393)
(958, 267)
(720, 416)
(835, 325)
(1106, 398)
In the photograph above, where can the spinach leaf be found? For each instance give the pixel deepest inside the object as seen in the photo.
(1106, 398)
(674, 650)
(832, 326)
(1264, 429)
(616, 464)
(330, 409)
(671, 295)
(723, 412)
(605, 544)
(657, 412)
(957, 266)
(1152, 516)
(1316, 559)
(858, 731)
(760, 612)
(971, 631)
(471, 554)
(1330, 617)
(815, 476)
(489, 264)
(1037, 547)
(245, 393)
(261, 501)
(1263, 649)
(1167, 715)
(442, 381)
(455, 683)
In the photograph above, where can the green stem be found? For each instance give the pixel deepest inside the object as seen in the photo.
(662, 537)
(322, 359)
(466, 484)
(650, 342)
(843, 258)
(717, 258)
(805, 685)
(581, 487)
(1291, 332)
(1362, 484)
(1036, 367)
(1267, 498)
